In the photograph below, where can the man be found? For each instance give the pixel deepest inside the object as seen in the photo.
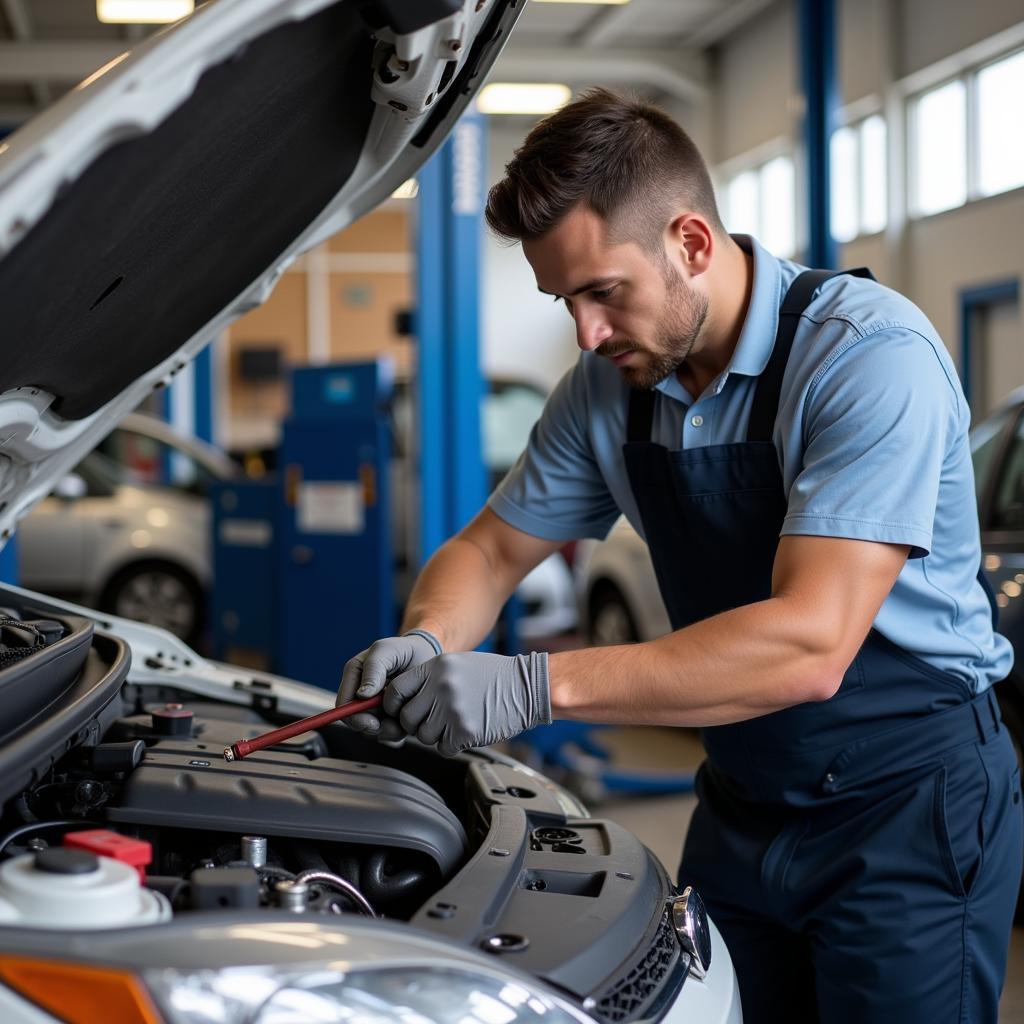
(793, 447)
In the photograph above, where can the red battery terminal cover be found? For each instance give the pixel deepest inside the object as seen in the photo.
(136, 853)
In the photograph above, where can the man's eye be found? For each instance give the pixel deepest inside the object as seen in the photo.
(603, 293)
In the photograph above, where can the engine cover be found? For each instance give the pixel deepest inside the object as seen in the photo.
(181, 784)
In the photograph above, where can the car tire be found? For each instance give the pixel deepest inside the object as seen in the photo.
(1013, 719)
(610, 620)
(159, 593)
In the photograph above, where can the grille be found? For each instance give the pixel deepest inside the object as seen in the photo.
(628, 996)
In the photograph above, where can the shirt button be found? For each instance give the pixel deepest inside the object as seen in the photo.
(697, 421)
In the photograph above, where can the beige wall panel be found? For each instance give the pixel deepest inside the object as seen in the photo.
(862, 26)
(974, 245)
(933, 29)
(383, 231)
(1002, 340)
(756, 82)
(871, 252)
(363, 309)
(281, 321)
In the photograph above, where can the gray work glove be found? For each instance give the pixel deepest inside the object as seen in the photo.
(471, 699)
(366, 674)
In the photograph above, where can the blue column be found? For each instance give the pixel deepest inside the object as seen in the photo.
(447, 379)
(973, 301)
(9, 562)
(430, 379)
(821, 100)
(203, 384)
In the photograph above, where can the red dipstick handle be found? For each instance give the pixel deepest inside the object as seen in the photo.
(245, 747)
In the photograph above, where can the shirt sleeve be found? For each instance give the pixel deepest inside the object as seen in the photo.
(878, 423)
(556, 490)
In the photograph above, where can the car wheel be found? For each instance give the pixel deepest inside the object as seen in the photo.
(1014, 721)
(611, 621)
(159, 593)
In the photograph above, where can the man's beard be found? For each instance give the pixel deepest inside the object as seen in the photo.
(676, 332)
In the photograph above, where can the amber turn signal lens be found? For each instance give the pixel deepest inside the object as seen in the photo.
(80, 994)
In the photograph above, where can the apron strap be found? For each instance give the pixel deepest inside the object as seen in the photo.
(769, 385)
(640, 415)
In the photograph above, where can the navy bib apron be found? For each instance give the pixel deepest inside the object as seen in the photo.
(861, 855)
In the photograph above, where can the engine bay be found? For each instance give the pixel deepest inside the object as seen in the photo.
(119, 809)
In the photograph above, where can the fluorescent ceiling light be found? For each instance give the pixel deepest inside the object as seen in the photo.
(143, 12)
(409, 189)
(522, 97)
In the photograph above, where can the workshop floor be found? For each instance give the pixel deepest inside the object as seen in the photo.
(661, 822)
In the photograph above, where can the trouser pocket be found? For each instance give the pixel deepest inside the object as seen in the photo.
(977, 789)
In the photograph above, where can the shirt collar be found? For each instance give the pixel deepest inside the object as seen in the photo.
(761, 324)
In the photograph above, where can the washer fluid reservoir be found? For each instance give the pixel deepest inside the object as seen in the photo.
(66, 888)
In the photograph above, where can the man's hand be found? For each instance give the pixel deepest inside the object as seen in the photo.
(366, 674)
(470, 699)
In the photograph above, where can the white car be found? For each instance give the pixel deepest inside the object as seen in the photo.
(508, 410)
(144, 877)
(618, 592)
(128, 531)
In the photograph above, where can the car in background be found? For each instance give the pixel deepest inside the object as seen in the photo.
(128, 530)
(509, 407)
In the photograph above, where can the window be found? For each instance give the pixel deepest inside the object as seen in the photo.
(742, 203)
(843, 162)
(1000, 90)
(761, 201)
(939, 148)
(140, 460)
(859, 185)
(980, 111)
(874, 183)
(507, 415)
(778, 206)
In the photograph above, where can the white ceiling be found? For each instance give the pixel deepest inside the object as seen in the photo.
(657, 46)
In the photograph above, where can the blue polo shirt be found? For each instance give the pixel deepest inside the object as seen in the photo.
(872, 442)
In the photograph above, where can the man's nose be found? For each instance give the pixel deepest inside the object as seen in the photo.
(592, 328)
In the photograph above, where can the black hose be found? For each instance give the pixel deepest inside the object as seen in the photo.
(380, 886)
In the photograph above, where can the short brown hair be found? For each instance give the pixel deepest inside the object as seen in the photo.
(628, 160)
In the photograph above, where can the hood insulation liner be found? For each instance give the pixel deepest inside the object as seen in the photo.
(164, 230)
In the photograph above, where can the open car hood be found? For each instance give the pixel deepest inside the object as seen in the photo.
(164, 197)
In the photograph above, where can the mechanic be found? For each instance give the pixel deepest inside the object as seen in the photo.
(793, 447)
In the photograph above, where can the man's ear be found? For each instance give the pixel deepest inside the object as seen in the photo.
(691, 242)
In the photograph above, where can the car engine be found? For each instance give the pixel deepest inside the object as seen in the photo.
(119, 809)
(297, 827)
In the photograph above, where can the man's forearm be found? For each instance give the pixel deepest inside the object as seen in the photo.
(457, 596)
(738, 665)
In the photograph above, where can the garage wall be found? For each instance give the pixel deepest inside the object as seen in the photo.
(755, 80)
(338, 302)
(933, 29)
(524, 332)
(881, 41)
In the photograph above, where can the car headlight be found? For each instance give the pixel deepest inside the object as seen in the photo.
(326, 994)
(269, 968)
